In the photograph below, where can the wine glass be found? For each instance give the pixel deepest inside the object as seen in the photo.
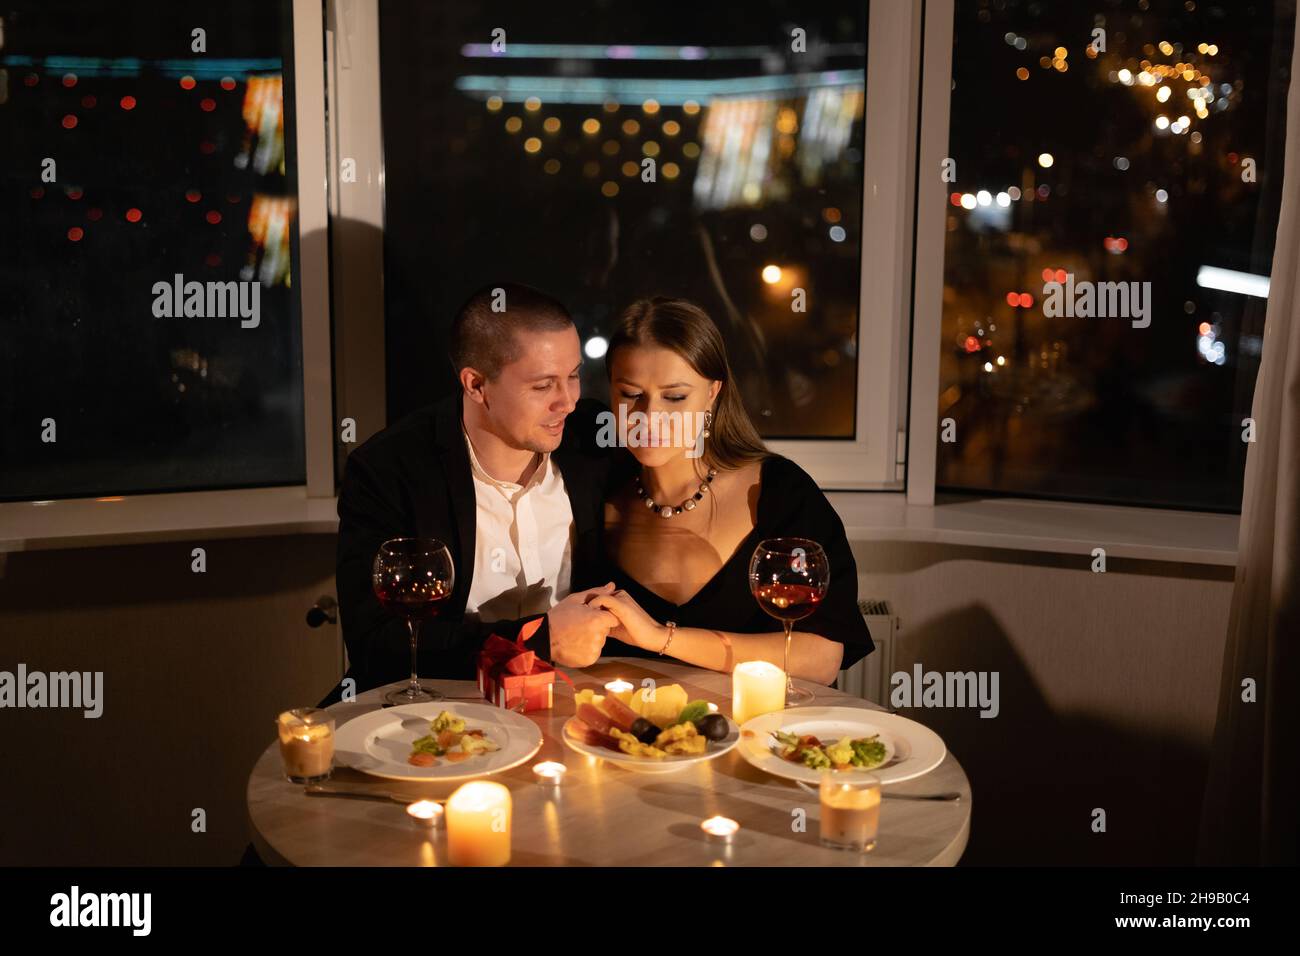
(413, 577)
(789, 577)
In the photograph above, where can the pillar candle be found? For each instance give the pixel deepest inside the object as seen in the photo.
(478, 825)
(757, 687)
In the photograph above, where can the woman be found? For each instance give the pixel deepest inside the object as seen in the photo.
(682, 519)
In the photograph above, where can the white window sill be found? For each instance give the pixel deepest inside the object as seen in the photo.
(1062, 528)
(1148, 534)
(182, 516)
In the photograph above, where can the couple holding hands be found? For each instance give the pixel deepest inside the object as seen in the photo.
(630, 548)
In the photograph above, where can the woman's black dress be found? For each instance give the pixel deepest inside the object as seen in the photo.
(789, 505)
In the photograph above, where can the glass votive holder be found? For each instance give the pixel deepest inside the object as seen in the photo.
(850, 811)
(306, 744)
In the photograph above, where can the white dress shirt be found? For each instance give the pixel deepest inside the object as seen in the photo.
(523, 546)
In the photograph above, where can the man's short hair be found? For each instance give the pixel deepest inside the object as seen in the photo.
(487, 340)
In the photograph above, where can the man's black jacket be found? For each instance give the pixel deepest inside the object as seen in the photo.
(413, 479)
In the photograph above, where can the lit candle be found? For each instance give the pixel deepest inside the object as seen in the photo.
(757, 687)
(719, 829)
(549, 773)
(713, 708)
(306, 744)
(478, 825)
(425, 813)
(620, 689)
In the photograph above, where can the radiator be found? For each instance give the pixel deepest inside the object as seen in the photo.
(869, 677)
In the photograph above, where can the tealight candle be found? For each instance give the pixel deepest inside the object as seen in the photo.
(757, 687)
(719, 829)
(478, 825)
(713, 708)
(425, 813)
(549, 773)
(306, 744)
(620, 689)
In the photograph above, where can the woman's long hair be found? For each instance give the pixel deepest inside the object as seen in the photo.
(686, 329)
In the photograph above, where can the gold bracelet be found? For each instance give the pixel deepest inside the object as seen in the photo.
(672, 628)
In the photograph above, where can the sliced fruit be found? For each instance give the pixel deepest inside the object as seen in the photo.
(633, 747)
(682, 739)
(595, 718)
(422, 760)
(587, 696)
(622, 716)
(585, 733)
(660, 705)
(623, 695)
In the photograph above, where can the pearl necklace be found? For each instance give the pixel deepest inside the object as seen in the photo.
(667, 511)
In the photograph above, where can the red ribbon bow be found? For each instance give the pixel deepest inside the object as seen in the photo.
(512, 656)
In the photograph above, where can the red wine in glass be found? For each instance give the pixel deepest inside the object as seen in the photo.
(788, 602)
(416, 603)
(789, 577)
(413, 577)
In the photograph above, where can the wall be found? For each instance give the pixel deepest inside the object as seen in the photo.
(1108, 688)
(196, 667)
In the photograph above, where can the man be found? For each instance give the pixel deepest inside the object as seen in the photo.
(494, 474)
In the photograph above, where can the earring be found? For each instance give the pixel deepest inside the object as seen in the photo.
(708, 422)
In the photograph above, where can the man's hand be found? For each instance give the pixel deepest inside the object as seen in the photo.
(578, 630)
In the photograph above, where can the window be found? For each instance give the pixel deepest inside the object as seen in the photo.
(1113, 198)
(534, 163)
(151, 335)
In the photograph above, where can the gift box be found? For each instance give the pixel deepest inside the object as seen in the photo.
(508, 671)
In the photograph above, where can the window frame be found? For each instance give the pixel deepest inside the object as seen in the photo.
(1010, 521)
(927, 300)
(71, 522)
(874, 459)
(895, 410)
(356, 219)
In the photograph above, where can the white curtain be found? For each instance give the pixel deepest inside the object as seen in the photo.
(1252, 796)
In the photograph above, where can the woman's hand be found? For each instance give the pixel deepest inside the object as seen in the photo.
(636, 627)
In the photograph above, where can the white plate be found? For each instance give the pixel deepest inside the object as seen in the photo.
(379, 742)
(912, 749)
(651, 764)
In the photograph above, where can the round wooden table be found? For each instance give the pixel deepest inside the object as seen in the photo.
(603, 815)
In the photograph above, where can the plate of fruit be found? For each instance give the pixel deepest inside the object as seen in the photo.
(650, 730)
(439, 740)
